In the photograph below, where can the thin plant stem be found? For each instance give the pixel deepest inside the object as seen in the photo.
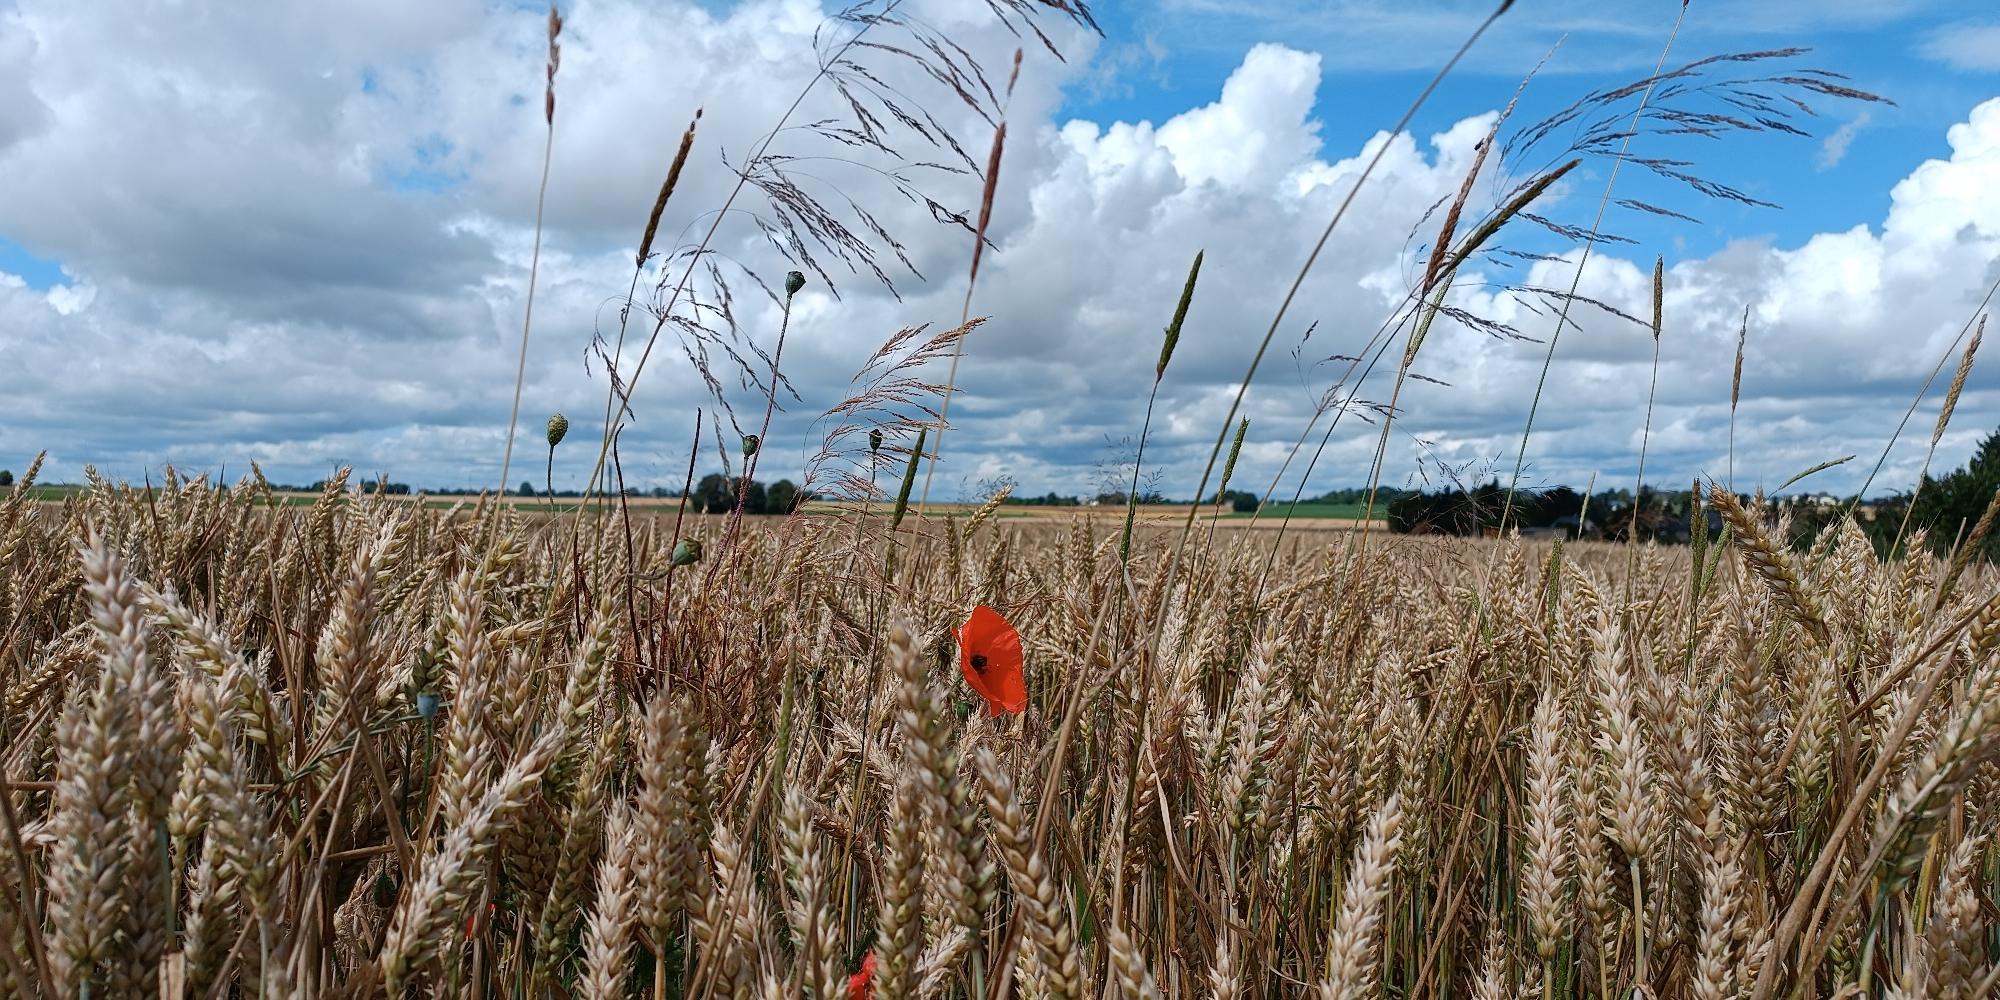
(527, 315)
(1576, 280)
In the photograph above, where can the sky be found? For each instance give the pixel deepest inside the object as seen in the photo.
(301, 235)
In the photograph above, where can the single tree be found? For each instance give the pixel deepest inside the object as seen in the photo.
(715, 494)
(756, 499)
(1949, 506)
(782, 497)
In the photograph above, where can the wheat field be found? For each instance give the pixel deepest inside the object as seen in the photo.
(367, 749)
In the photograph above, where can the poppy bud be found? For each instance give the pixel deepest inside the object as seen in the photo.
(750, 443)
(558, 426)
(793, 282)
(687, 552)
(875, 440)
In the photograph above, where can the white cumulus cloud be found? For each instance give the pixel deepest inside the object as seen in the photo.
(300, 235)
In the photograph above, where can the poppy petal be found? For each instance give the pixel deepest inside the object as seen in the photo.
(989, 654)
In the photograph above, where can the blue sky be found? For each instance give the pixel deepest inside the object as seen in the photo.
(300, 236)
(1160, 56)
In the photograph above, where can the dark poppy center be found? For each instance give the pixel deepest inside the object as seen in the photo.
(979, 662)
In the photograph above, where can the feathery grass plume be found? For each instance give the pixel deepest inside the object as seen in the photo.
(1173, 337)
(1430, 301)
(1354, 954)
(1770, 564)
(1312, 257)
(1173, 334)
(990, 185)
(453, 871)
(667, 190)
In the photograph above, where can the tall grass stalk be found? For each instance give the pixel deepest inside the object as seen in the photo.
(1172, 338)
(1583, 260)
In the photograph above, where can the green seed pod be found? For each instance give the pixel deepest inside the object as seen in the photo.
(875, 440)
(793, 282)
(558, 426)
(750, 443)
(687, 552)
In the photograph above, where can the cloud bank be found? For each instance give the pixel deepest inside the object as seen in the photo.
(300, 236)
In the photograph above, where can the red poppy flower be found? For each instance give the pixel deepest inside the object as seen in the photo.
(861, 985)
(472, 920)
(989, 652)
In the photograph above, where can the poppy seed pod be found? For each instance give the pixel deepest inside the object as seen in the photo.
(558, 426)
(427, 705)
(875, 440)
(793, 282)
(750, 443)
(687, 552)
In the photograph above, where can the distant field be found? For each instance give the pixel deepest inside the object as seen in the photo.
(1149, 513)
(1338, 511)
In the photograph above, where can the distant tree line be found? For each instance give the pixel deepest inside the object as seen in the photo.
(1946, 509)
(717, 494)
